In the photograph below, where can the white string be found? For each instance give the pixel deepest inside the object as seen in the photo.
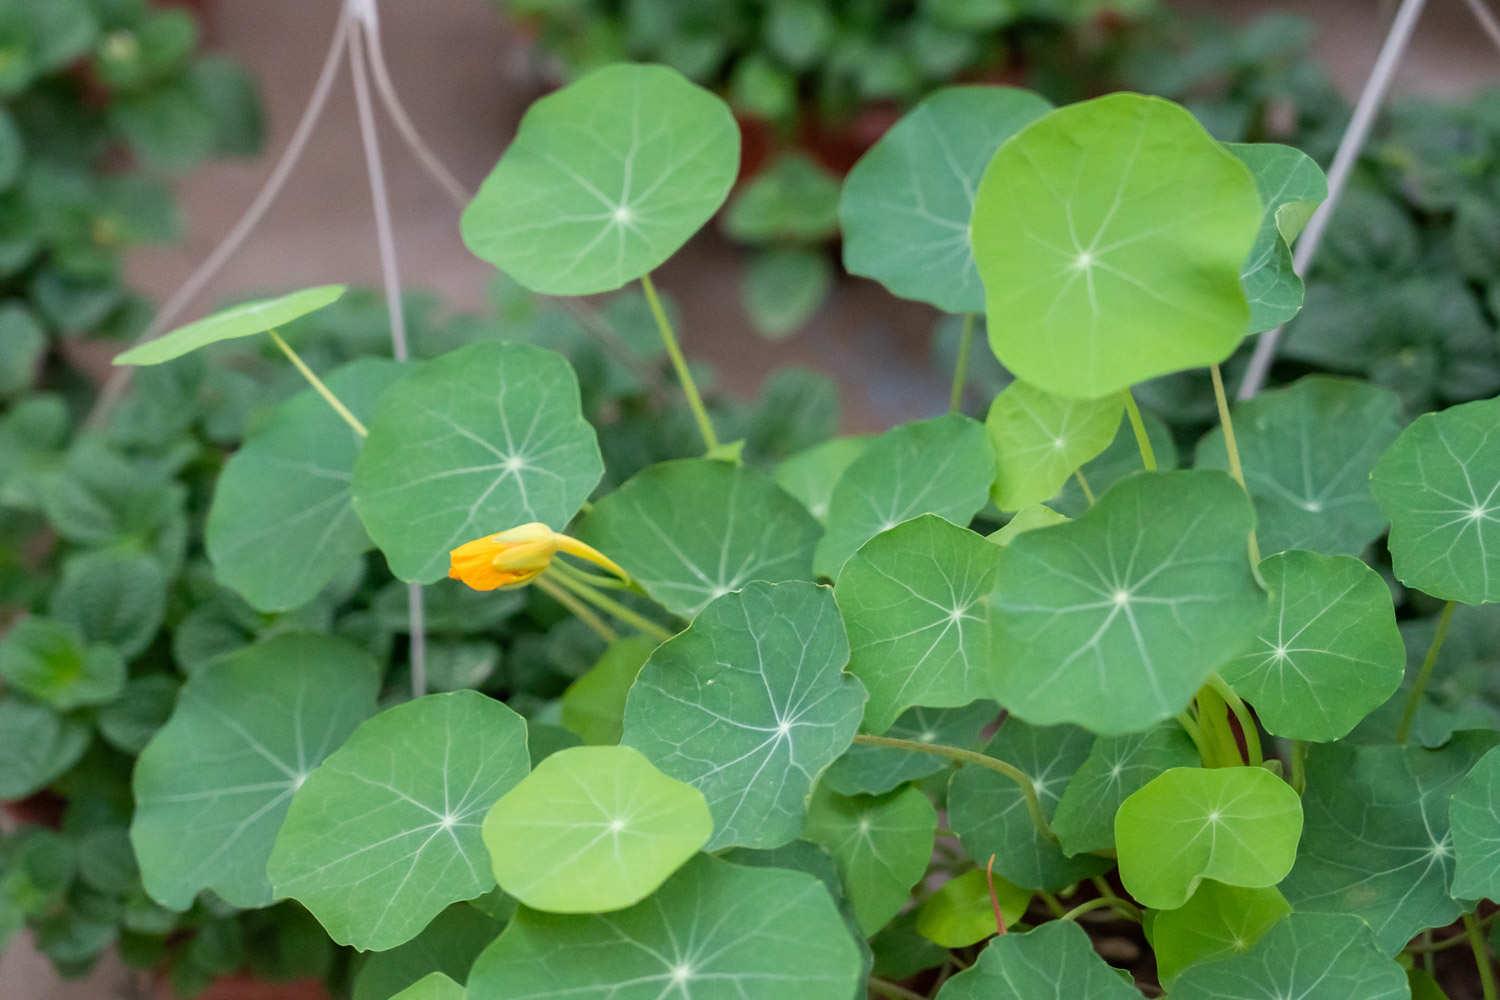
(1350, 146)
(1486, 19)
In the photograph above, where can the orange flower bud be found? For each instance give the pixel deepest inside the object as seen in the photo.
(518, 555)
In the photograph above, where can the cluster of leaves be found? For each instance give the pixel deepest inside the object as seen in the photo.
(1037, 627)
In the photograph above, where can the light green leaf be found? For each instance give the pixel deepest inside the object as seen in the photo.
(1120, 459)
(810, 475)
(882, 845)
(1440, 486)
(1110, 235)
(1040, 440)
(476, 441)
(906, 204)
(1235, 825)
(1053, 960)
(448, 945)
(1396, 880)
(1310, 956)
(867, 770)
(264, 716)
(1330, 654)
(112, 597)
(1116, 767)
(988, 812)
(1307, 451)
(783, 287)
(942, 466)
(750, 705)
(605, 179)
(714, 931)
(385, 833)
(593, 829)
(1474, 812)
(244, 320)
(962, 913)
(1291, 187)
(593, 706)
(914, 604)
(282, 522)
(37, 745)
(693, 530)
(50, 661)
(1114, 620)
(1028, 518)
(1218, 922)
(433, 986)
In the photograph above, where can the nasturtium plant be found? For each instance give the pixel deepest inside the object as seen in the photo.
(962, 911)
(244, 320)
(1291, 188)
(1116, 767)
(872, 770)
(1219, 921)
(1475, 819)
(1055, 958)
(882, 845)
(1040, 440)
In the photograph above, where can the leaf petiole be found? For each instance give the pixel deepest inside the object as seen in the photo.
(581, 611)
(610, 606)
(1424, 674)
(1482, 960)
(318, 384)
(1138, 427)
(680, 366)
(1231, 448)
(1248, 727)
(961, 366)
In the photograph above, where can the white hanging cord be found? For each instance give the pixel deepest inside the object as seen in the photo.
(1486, 19)
(1350, 146)
(119, 379)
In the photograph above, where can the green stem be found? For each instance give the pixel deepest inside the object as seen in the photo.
(1127, 910)
(1138, 425)
(1428, 945)
(961, 756)
(1195, 733)
(318, 385)
(612, 607)
(1232, 448)
(961, 367)
(680, 365)
(1298, 757)
(1213, 722)
(1053, 904)
(1419, 686)
(582, 611)
(1482, 958)
(592, 579)
(887, 988)
(1242, 715)
(1083, 484)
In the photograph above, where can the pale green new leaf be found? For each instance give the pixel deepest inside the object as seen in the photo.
(213, 785)
(1474, 812)
(244, 320)
(433, 986)
(962, 911)
(882, 845)
(1114, 620)
(1116, 767)
(941, 466)
(1291, 187)
(913, 600)
(385, 833)
(810, 475)
(1440, 486)
(1235, 825)
(714, 931)
(1026, 519)
(1330, 654)
(1052, 962)
(1310, 956)
(869, 770)
(282, 522)
(750, 705)
(1307, 452)
(906, 204)
(476, 441)
(1040, 440)
(593, 829)
(1218, 922)
(605, 180)
(693, 530)
(1110, 236)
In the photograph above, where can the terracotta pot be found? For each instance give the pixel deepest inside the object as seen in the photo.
(42, 809)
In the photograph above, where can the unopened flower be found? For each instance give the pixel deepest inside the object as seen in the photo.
(516, 556)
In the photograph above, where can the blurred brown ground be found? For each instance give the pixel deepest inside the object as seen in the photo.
(465, 81)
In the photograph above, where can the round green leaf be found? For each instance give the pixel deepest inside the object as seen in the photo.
(1120, 459)
(476, 441)
(795, 200)
(605, 180)
(867, 770)
(962, 912)
(1236, 825)
(593, 706)
(693, 530)
(1310, 956)
(1291, 187)
(128, 722)
(448, 945)
(1114, 620)
(1116, 767)
(1397, 879)
(750, 705)
(906, 204)
(50, 661)
(213, 785)
(1218, 922)
(1040, 440)
(1474, 812)
(244, 320)
(914, 604)
(1110, 235)
(1055, 959)
(1330, 654)
(36, 746)
(783, 287)
(282, 522)
(942, 466)
(1307, 451)
(714, 931)
(882, 845)
(810, 475)
(385, 833)
(1440, 486)
(593, 829)
(988, 812)
(112, 597)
